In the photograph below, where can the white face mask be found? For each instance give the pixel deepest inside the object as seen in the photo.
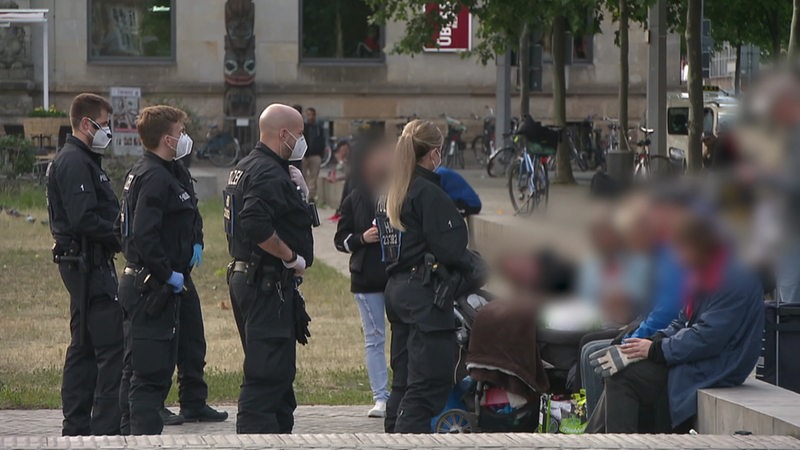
(438, 164)
(101, 138)
(300, 147)
(183, 147)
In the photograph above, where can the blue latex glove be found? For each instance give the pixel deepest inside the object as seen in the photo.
(176, 281)
(197, 256)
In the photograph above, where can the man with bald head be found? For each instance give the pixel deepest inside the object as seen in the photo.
(268, 224)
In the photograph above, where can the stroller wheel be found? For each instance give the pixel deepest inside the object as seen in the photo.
(455, 421)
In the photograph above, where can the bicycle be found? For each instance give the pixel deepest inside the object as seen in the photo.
(574, 154)
(221, 148)
(500, 160)
(528, 181)
(647, 166)
(454, 145)
(483, 145)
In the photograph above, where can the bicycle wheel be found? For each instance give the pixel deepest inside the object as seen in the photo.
(542, 183)
(580, 160)
(519, 189)
(499, 162)
(224, 155)
(477, 150)
(460, 158)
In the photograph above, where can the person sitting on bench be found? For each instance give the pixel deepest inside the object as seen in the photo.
(715, 342)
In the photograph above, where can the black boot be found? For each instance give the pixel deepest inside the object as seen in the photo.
(170, 418)
(204, 414)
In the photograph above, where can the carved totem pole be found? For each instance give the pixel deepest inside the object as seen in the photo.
(240, 59)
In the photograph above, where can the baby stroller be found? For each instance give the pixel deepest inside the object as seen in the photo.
(509, 385)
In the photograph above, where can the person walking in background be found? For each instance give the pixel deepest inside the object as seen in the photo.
(459, 190)
(357, 234)
(317, 139)
(82, 208)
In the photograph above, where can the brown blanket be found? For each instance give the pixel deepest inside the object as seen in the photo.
(504, 336)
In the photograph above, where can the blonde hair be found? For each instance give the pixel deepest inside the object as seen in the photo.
(418, 139)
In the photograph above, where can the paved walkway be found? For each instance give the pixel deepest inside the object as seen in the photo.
(308, 420)
(384, 441)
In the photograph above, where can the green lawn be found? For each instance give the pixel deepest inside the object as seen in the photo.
(34, 323)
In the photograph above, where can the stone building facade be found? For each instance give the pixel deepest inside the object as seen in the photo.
(90, 51)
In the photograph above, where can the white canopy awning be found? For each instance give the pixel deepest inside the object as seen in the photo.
(32, 16)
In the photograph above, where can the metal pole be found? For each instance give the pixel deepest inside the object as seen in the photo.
(657, 78)
(45, 65)
(502, 99)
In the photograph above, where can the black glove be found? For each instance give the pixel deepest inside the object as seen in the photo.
(156, 301)
(301, 318)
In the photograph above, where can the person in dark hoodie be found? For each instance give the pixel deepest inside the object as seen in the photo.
(714, 342)
(357, 234)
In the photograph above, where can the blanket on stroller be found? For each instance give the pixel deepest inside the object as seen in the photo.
(503, 349)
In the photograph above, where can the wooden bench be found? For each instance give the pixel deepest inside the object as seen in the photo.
(755, 406)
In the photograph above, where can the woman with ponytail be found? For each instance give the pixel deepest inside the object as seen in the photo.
(418, 218)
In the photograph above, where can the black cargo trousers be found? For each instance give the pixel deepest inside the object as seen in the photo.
(265, 320)
(192, 388)
(151, 351)
(92, 369)
(423, 349)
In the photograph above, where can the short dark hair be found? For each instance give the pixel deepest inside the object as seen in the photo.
(311, 109)
(299, 108)
(156, 121)
(87, 105)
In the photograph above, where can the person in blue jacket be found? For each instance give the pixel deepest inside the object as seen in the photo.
(458, 189)
(715, 342)
(664, 278)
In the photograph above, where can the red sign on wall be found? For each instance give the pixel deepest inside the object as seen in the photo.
(455, 36)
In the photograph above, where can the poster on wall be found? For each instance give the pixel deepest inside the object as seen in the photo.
(455, 36)
(125, 101)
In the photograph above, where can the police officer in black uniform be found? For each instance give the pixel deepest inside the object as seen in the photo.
(192, 388)
(268, 225)
(82, 208)
(157, 225)
(418, 218)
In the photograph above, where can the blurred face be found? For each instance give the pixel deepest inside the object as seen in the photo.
(605, 239)
(641, 237)
(376, 167)
(665, 218)
(688, 255)
(311, 116)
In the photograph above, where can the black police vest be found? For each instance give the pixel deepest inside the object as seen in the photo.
(390, 238)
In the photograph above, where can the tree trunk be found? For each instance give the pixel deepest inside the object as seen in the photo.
(524, 70)
(794, 34)
(558, 36)
(694, 14)
(737, 77)
(624, 13)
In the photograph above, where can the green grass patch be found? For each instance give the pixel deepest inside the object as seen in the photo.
(41, 388)
(22, 195)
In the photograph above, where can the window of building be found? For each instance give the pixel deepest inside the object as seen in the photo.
(339, 31)
(678, 120)
(580, 46)
(131, 30)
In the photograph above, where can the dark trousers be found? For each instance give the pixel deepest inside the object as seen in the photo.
(151, 350)
(266, 328)
(634, 401)
(192, 389)
(92, 368)
(423, 348)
